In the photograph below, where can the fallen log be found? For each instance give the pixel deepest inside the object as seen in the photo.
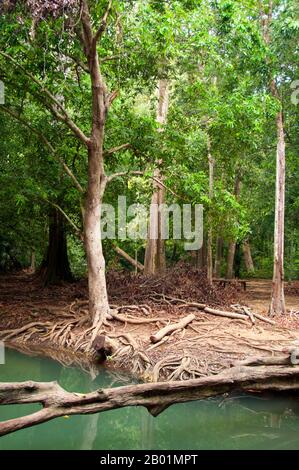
(171, 328)
(155, 397)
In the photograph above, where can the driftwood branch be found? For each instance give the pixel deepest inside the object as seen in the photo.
(155, 397)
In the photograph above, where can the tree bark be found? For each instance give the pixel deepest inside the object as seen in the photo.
(97, 179)
(277, 305)
(55, 267)
(155, 260)
(210, 230)
(232, 245)
(201, 255)
(247, 257)
(230, 260)
(218, 257)
(98, 298)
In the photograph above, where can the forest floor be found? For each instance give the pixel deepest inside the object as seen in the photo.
(29, 315)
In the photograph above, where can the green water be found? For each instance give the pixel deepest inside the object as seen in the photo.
(237, 422)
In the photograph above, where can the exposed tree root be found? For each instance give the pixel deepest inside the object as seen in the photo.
(265, 361)
(73, 332)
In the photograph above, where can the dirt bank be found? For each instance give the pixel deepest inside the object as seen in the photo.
(144, 306)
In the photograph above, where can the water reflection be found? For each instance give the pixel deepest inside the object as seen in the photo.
(233, 422)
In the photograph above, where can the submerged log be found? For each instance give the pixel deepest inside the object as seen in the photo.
(154, 396)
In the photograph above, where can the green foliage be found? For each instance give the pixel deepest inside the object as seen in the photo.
(218, 65)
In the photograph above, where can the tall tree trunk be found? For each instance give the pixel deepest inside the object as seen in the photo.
(155, 260)
(55, 266)
(210, 230)
(201, 255)
(230, 260)
(249, 266)
(277, 305)
(218, 257)
(232, 245)
(98, 298)
(97, 179)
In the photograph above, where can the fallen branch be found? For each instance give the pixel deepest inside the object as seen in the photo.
(128, 258)
(155, 397)
(170, 328)
(267, 320)
(244, 312)
(250, 314)
(222, 313)
(247, 311)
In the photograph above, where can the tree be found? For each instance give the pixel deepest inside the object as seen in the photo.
(277, 305)
(101, 101)
(232, 245)
(55, 266)
(155, 261)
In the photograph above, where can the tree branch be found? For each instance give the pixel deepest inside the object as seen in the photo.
(123, 173)
(77, 230)
(87, 36)
(117, 149)
(69, 122)
(78, 62)
(140, 173)
(54, 104)
(103, 25)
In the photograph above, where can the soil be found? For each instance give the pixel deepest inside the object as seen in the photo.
(208, 345)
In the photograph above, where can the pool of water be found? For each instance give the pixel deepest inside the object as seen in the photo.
(234, 422)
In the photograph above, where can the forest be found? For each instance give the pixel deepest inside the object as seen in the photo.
(149, 207)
